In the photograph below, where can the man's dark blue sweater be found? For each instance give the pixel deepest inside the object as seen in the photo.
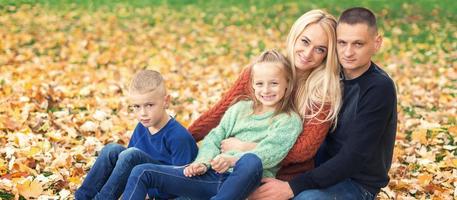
(361, 146)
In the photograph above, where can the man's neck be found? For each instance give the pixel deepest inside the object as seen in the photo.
(352, 74)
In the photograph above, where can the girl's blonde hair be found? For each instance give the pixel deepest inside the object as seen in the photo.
(318, 91)
(286, 104)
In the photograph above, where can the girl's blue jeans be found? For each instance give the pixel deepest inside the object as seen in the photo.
(108, 176)
(238, 184)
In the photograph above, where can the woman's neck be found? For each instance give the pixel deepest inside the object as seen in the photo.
(302, 75)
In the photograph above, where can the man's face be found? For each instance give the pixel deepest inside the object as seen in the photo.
(356, 44)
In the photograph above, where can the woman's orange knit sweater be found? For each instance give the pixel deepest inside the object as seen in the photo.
(300, 157)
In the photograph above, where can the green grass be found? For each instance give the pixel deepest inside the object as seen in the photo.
(274, 13)
(421, 7)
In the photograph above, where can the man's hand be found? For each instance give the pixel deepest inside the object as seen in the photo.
(195, 169)
(222, 163)
(232, 143)
(272, 189)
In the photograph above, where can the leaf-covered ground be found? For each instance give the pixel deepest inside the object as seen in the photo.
(64, 74)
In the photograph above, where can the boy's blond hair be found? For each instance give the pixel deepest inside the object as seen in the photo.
(147, 81)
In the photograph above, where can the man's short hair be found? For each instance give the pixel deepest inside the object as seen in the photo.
(147, 81)
(358, 15)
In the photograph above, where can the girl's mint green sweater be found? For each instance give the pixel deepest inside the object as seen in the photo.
(274, 135)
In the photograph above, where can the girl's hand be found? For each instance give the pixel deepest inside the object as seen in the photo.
(195, 169)
(222, 163)
(232, 143)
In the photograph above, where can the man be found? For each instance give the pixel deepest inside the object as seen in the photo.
(354, 161)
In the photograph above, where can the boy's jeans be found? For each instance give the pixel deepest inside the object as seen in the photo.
(244, 179)
(107, 178)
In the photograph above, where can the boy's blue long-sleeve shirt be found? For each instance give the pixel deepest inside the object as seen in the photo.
(172, 145)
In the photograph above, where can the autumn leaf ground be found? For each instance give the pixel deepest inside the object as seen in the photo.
(64, 69)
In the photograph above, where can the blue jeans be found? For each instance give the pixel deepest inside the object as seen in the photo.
(107, 178)
(346, 189)
(238, 184)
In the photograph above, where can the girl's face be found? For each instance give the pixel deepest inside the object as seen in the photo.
(311, 48)
(269, 83)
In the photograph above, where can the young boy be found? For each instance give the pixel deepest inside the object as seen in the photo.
(157, 138)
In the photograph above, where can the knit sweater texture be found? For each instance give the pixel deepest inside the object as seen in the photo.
(274, 135)
(361, 146)
(300, 157)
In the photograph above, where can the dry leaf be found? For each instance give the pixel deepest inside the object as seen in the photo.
(30, 189)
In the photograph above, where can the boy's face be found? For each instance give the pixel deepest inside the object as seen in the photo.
(356, 44)
(149, 108)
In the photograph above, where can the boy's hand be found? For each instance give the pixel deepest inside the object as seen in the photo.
(236, 144)
(195, 169)
(221, 163)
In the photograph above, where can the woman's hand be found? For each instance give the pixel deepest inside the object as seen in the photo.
(232, 143)
(222, 163)
(195, 169)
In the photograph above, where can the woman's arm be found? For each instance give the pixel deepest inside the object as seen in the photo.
(309, 141)
(235, 144)
(280, 138)
(211, 144)
(211, 118)
(304, 149)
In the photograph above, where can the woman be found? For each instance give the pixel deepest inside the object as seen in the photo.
(311, 50)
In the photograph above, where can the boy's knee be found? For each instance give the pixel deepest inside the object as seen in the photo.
(128, 154)
(112, 148)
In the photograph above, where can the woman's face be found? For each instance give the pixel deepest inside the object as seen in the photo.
(310, 48)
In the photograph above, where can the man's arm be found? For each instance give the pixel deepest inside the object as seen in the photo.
(367, 127)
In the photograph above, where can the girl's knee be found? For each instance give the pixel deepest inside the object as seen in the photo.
(137, 171)
(251, 160)
(250, 163)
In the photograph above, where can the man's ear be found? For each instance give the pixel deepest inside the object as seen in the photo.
(378, 42)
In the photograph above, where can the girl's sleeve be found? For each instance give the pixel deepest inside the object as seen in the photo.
(212, 142)
(281, 137)
(308, 142)
(211, 118)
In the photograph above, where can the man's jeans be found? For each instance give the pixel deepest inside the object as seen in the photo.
(244, 179)
(346, 189)
(107, 178)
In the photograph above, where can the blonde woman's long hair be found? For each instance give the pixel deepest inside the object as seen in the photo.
(318, 91)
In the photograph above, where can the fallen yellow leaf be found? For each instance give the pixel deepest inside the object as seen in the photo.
(453, 130)
(420, 136)
(30, 189)
(424, 179)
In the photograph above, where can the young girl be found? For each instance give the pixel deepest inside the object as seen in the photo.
(267, 118)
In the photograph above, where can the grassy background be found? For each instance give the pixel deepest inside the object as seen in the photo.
(408, 14)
